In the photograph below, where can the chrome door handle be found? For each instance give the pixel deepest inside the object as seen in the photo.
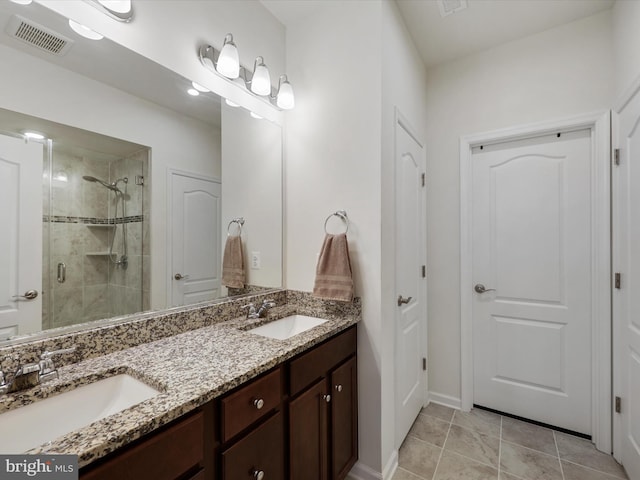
(479, 288)
(403, 300)
(179, 276)
(62, 272)
(28, 295)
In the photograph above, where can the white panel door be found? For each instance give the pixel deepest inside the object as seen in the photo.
(627, 298)
(20, 236)
(532, 244)
(195, 246)
(410, 285)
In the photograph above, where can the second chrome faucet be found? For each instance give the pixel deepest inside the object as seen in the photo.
(261, 311)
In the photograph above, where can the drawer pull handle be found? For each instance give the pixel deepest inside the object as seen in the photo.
(326, 398)
(258, 403)
(338, 388)
(258, 474)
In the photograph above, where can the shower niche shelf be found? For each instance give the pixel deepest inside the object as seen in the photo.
(100, 254)
(100, 225)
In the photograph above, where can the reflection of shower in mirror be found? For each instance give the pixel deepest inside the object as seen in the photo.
(123, 261)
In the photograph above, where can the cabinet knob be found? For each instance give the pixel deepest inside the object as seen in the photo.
(258, 403)
(326, 398)
(338, 388)
(258, 474)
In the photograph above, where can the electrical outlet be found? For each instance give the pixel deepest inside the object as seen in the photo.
(256, 263)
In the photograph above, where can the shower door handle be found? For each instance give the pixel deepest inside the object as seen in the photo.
(62, 272)
(28, 295)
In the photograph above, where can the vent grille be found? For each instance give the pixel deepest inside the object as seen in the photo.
(38, 36)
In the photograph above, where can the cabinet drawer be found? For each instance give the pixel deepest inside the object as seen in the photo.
(251, 402)
(165, 456)
(315, 364)
(260, 451)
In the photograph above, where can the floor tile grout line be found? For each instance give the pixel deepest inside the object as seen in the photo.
(435, 472)
(555, 442)
(612, 475)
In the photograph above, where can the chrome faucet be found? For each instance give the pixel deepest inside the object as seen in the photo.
(261, 311)
(32, 374)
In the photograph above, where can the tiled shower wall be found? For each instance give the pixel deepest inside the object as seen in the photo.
(78, 227)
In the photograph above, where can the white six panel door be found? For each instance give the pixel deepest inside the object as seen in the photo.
(627, 299)
(195, 225)
(532, 244)
(20, 235)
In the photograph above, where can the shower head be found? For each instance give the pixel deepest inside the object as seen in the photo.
(89, 178)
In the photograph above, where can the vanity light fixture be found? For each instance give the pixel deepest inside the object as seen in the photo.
(22, 2)
(230, 103)
(193, 92)
(256, 116)
(228, 61)
(33, 135)
(260, 80)
(83, 31)
(257, 83)
(200, 88)
(121, 10)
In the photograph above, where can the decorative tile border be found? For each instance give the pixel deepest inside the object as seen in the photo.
(92, 220)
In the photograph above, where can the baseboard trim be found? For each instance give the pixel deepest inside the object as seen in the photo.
(446, 400)
(391, 466)
(360, 471)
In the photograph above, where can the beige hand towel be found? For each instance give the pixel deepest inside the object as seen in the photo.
(233, 263)
(334, 280)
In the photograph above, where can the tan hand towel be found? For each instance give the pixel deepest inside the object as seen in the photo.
(334, 280)
(233, 263)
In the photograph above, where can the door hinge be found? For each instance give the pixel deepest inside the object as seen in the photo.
(139, 180)
(424, 364)
(616, 281)
(424, 271)
(616, 156)
(618, 405)
(424, 179)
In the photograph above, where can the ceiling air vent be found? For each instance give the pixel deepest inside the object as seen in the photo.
(38, 36)
(447, 7)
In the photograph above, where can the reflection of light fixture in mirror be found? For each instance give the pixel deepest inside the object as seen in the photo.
(284, 98)
(121, 10)
(230, 103)
(60, 176)
(200, 88)
(255, 115)
(22, 2)
(228, 60)
(193, 92)
(261, 80)
(33, 135)
(86, 32)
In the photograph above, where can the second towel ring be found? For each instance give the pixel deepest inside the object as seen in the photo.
(341, 214)
(239, 221)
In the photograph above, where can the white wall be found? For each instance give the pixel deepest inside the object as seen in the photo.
(176, 141)
(554, 74)
(252, 189)
(403, 87)
(626, 40)
(333, 162)
(170, 32)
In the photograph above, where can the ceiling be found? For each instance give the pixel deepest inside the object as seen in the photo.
(484, 24)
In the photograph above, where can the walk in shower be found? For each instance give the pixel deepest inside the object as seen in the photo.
(95, 229)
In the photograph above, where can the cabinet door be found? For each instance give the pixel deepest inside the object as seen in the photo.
(308, 434)
(344, 419)
(260, 451)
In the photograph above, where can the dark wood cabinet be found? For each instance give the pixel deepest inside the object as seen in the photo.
(323, 419)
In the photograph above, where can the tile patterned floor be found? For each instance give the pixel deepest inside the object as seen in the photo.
(446, 444)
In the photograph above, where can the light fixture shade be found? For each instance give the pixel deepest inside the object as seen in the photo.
(120, 6)
(22, 2)
(261, 80)
(200, 88)
(228, 60)
(285, 99)
(85, 32)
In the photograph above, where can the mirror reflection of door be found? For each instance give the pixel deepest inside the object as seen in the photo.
(195, 264)
(20, 236)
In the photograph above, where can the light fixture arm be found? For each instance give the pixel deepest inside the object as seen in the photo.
(125, 17)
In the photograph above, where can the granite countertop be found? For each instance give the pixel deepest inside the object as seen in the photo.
(189, 369)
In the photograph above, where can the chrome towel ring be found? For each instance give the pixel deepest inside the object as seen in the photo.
(342, 215)
(239, 221)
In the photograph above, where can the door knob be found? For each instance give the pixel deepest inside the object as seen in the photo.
(403, 300)
(179, 276)
(28, 295)
(479, 288)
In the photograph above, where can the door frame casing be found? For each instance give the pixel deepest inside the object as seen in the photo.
(169, 239)
(601, 367)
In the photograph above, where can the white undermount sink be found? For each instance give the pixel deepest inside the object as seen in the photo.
(287, 327)
(45, 420)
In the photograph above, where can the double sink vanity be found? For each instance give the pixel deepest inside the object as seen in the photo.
(198, 392)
